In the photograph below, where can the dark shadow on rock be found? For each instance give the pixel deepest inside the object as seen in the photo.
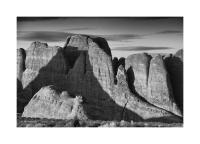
(122, 61)
(174, 67)
(47, 75)
(103, 44)
(71, 54)
(131, 79)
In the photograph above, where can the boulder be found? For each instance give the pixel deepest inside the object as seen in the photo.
(49, 102)
(159, 87)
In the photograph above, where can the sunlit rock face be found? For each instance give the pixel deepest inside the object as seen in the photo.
(44, 66)
(51, 103)
(137, 67)
(159, 86)
(136, 108)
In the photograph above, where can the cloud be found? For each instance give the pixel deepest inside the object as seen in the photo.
(29, 19)
(48, 36)
(170, 32)
(78, 28)
(120, 37)
(53, 36)
(140, 48)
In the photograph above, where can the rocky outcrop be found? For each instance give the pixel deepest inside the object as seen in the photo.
(159, 87)
(137, 67)
(84, 66)
(50, 103)
(21, 56)
(92, 77)
(44, 66)
(136, 108)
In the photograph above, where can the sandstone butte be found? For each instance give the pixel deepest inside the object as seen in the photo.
(126, 90)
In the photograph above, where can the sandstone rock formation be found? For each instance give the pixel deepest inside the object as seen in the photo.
(44, 66)
(159, 87)
(136, 108)
(84, 66)
(92, 77)
(137, 67)
(50, 103)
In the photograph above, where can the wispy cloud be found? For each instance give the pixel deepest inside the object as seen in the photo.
(170, 32)
(120, 37)
(78, 29)
(41, 36)
(140, 48)
(51, 36)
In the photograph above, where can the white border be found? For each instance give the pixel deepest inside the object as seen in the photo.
(11, 9)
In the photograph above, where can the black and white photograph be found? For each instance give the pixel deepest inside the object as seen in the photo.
(86, 71)
(100, 71)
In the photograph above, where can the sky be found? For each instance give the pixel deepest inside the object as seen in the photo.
(125, 35)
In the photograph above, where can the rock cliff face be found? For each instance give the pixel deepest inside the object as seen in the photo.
(50, 103)
(139, 89)
(137, 67)
(159, 87)
(44, 66)
(92, 77)
(135, 108)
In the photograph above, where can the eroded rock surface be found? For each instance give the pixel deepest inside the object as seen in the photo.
(159, 87)
(92, 77)
(137, 67)
(50, 103)
(136, 108)
(44, 66)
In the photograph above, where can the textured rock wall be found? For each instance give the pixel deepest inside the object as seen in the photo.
(159, 86)
(92, 77)
(50, 103)
(44, 66)
(149, 78)
(136, 108)
(137, 67)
